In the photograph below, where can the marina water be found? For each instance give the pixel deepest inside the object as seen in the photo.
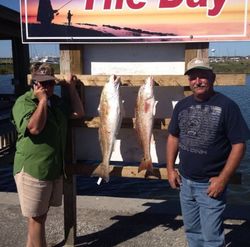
(151, 189)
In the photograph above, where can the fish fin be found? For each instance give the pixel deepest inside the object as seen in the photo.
(122, 108)
(146, 165)
(154, 110)
(101, 171)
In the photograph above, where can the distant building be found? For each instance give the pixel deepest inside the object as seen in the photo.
(214, 59)
(46, 59)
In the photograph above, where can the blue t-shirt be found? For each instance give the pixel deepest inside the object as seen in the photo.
(206, 131)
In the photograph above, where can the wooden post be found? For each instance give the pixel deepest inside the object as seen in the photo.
(20, 65)
(193, 50)
(10, 30)
(71, 61)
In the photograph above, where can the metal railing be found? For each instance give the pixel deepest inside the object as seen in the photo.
(8, 133)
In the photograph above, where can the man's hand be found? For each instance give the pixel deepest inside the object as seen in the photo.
(174, 178)
(40, 92)
(69, 80)
(216, 187)
(39, 117)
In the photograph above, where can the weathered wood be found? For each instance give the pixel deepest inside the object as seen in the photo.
(71, 61)
(130, 172)
(71, 58)
(20, 64)
(230, 80)
(116, 170)
(193, 50)
(161, 80)
(69, 190)
(94, 122)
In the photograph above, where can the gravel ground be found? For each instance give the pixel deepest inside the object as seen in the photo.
(124, 222)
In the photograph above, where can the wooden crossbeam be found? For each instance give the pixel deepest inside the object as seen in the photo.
(161, 80)
(116, 170)
(94, 122)
(129, 172)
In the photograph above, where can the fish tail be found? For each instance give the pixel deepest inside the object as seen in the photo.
(146, 164)
(102, 171)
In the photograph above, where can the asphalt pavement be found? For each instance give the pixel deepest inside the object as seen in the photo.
(124, 222)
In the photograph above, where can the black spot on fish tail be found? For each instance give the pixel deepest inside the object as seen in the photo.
(101, 171)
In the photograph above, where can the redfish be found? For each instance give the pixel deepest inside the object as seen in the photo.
(110, 122)
(144, 118)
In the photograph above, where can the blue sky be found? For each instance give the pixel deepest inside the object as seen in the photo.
(241, 48)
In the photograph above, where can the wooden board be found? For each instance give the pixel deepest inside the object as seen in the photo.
(94, 122)
(119, 171)
(161, 80)
(129, 172)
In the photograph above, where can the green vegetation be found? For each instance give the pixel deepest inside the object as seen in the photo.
(227, 67)
(232, 67)
(8, 68)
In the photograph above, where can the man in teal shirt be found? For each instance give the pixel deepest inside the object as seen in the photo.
(41, 118)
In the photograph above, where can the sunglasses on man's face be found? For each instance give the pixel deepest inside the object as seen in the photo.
(194, 76)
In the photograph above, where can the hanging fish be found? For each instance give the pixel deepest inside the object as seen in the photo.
(144, 118)
(110, 121)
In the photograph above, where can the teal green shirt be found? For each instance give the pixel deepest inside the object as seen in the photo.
(40, 155)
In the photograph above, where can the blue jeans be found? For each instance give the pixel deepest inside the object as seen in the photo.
(202, 215)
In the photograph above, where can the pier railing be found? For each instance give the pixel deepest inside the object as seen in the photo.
(7, 130)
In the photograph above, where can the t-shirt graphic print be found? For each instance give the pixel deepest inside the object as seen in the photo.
(198, 125)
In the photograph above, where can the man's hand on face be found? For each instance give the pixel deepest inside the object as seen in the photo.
(40, 92)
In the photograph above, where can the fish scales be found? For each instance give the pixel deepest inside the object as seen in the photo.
(110, 121)
(144, 118)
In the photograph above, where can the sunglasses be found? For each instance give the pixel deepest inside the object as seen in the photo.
(44, 83)
(200, 76)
